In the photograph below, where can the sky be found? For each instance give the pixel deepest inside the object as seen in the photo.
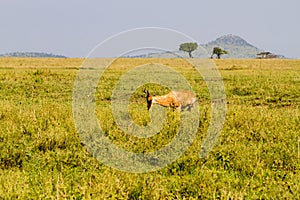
(75, 27)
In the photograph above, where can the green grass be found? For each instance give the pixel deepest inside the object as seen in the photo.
(257, 156)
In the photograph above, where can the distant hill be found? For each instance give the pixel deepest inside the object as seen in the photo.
(32, 55)
(236, 47)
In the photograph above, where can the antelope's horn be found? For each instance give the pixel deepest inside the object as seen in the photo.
(146, 91)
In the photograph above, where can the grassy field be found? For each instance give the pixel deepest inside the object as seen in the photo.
(257, 156)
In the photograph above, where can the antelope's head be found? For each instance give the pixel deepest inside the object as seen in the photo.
(149, 99)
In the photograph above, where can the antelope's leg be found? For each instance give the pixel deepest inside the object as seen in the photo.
(151, 106)
(179, 108)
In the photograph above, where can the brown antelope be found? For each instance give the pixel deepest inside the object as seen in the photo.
(174, 99)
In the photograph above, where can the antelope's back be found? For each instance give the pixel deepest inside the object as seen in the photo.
(185, 97)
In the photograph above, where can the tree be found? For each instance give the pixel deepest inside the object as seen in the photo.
(219, 52)
(188, 47)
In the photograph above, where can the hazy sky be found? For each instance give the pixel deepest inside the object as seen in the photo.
(74, 27)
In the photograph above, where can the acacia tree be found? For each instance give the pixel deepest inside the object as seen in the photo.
(219, 52)
(188, 47)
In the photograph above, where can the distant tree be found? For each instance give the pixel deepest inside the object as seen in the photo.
(218, 52)
(263, 55)
(188, 47)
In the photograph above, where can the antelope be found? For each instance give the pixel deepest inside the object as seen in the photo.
(174, 99)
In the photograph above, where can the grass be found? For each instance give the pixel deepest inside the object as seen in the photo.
(257, 156)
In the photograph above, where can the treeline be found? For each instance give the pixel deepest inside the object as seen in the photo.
(32, 55)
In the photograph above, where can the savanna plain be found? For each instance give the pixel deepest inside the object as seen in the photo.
(257, 155)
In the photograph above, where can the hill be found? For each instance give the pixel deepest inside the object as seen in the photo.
(32, 55)
(236, 47)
